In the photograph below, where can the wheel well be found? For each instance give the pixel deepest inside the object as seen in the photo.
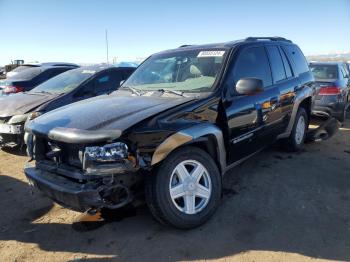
(209, 145)
(306, 104)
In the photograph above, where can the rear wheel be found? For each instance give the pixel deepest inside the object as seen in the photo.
(295, 141)
(185, 190)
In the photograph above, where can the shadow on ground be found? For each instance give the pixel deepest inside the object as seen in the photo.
(295, 203)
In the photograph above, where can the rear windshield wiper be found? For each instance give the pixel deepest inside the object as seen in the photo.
(179, 93)
(133, 90)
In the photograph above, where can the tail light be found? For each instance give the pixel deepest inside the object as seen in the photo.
(330, 90)
(13, 89)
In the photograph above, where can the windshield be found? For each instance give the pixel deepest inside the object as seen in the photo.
(65, 82)
(185, 71)
(324, 71)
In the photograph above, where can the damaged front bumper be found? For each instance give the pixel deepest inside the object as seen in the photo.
(11, 129)
(78, 191)
(11, 135)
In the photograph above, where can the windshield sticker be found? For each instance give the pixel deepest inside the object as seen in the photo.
(213, 53)
(88, 72)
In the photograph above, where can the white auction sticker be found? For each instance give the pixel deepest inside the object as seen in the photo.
(212, 53)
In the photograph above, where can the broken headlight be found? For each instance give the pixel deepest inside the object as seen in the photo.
(107, 153)
(18, 119)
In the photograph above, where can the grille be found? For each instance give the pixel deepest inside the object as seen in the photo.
(64, 153)
(4, 120)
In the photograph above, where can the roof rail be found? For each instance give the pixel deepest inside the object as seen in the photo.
(184, 46)
(274, 38)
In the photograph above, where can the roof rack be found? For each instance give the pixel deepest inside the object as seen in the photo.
(184, 46)
(274, 38)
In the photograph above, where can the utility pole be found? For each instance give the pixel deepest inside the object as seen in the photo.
(107, 46)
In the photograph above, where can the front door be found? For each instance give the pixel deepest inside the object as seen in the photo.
(247, 116)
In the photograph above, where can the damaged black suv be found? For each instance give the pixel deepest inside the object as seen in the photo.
(174, 128)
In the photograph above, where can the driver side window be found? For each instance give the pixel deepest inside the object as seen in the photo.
(253, 62)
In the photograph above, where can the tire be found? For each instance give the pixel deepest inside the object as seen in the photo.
(295, 142)
(342, 116)
(174, 211)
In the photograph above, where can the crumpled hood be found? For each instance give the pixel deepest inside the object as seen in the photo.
(102, 113)
(22, 103)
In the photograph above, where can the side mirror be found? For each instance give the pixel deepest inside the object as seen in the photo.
(249, 86)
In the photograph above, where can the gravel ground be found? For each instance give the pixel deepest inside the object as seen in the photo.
(277, 207)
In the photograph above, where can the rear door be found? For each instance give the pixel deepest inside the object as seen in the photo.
(286, 82)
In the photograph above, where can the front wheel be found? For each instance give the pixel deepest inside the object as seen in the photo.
(185, 190)
(295, 141)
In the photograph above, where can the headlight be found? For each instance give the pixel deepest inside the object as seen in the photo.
(18, 119)
(33, 115)
(107, 153)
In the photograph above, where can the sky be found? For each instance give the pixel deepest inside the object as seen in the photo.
(74, 30)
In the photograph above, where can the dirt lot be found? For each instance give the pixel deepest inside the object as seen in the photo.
(277, 207)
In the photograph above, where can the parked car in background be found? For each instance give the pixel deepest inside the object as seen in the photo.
(173, 129)
(30, 65)
(333, 88)
(29, 77)
(14, 64)
(68, 87)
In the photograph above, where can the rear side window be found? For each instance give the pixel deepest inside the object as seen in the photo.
(287, 65)
(277, 67)
(253, 62)
(298, 58)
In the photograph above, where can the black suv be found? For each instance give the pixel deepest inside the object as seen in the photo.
(174, 128)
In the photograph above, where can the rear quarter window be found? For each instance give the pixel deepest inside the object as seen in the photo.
(298, 59)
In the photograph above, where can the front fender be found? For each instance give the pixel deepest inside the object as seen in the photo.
(186, 136)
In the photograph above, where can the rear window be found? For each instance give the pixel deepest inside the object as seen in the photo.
(298, 58)
(27, 74)
(324, 71)
(22, 68)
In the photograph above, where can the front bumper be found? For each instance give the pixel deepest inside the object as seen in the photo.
(70, 191)
(11, 135)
